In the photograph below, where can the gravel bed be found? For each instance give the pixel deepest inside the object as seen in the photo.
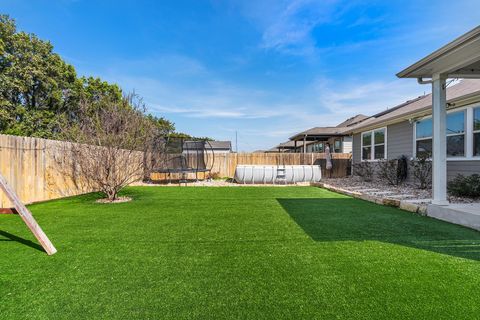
(218, 183)
(406, 191)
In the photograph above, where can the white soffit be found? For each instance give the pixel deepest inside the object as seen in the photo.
(458, 59)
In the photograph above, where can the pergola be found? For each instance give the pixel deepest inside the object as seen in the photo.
(458, 59)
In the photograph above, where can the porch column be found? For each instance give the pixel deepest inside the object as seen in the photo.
(439, 151)
(305, 144)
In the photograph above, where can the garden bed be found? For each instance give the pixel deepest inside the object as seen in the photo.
(404, 191)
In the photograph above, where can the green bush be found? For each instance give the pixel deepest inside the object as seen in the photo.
(465, 186)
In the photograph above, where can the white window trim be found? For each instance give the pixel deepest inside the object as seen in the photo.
(468, 133)
(473, 131)
(372, 145)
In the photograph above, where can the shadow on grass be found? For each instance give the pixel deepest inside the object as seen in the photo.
(11, 237)
(346, 219)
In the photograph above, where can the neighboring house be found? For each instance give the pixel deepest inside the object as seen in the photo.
(406, 130)
(288, 146)
(314, 139)
(220, 146)
(208, 146)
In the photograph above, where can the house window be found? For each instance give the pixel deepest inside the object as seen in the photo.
(367, 146)
(337, 146)
(318, 147)
(476, 131)
(423, 133)
(455, 133)
(373, 145)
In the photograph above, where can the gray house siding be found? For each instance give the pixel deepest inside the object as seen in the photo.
(400, 140)
(357, 148)
(465, 168)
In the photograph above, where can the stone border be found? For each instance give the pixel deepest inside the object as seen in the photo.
(420, 209)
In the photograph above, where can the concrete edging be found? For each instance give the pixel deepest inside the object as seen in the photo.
(385, 201)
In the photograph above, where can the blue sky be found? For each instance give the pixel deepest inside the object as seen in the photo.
(266, 69)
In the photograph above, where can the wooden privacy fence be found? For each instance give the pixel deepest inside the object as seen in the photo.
(224, 164)
(39, 169)
(32, 169)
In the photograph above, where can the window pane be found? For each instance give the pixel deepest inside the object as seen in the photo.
(367, 139)
(456, 122)
(380, 136)
(476, 144)
(366, 153)
(380, 152)
(424, 128)
(456, 146)
(424, 148)
(476, 119)
(338, 146)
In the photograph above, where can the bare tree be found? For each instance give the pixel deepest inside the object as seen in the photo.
(109, 141)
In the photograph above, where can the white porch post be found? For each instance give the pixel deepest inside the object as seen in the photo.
(439, 172)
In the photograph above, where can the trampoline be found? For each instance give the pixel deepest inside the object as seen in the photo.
(186, 157)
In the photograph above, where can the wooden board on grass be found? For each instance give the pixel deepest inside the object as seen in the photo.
(27, 217)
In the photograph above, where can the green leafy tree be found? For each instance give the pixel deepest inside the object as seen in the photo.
(36, 85)
(164, 126)
(40, 93)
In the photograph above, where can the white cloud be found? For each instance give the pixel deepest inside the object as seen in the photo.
(345, 99)
(286, 26)
(263, 117)
(267, 117)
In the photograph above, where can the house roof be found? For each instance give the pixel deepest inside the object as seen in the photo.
(221, 145)
(353, 120)
(215, 145)
(319, 133)
(466, 90)
(290, 144)
(458, 59)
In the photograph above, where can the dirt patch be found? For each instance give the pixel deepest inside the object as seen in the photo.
(118, 200)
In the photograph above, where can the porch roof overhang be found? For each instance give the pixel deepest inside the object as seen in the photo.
(458, 59)
(314, 137)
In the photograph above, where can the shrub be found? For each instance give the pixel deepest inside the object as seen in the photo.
(465, 186)
(364, 170)
(393, 171)
(422, 172)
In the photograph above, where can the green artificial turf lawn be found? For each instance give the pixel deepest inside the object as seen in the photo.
(237, 253)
